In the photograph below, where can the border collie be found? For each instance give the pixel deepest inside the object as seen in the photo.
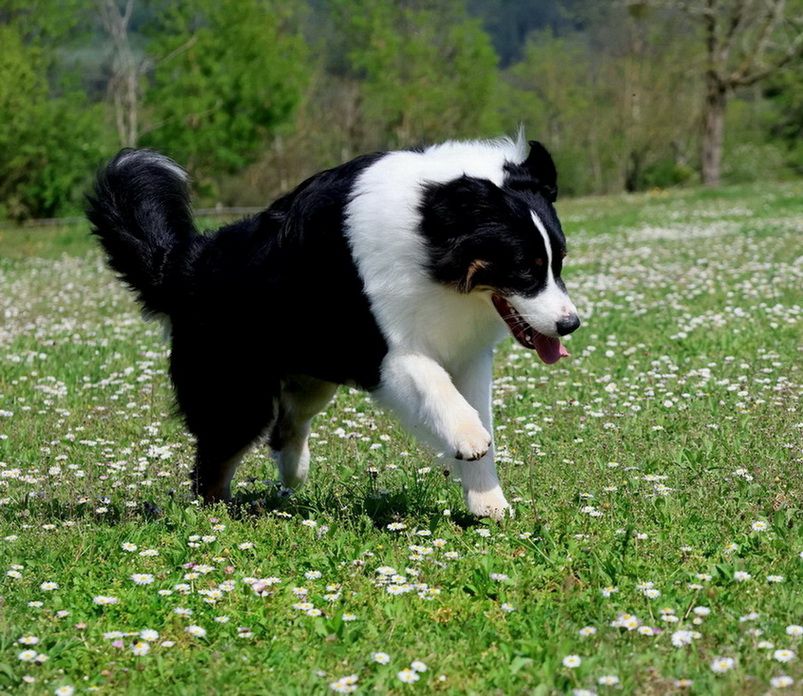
(397, 273)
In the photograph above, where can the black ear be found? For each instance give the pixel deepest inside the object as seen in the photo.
(457, 219)
(541, 167)
(453, 209)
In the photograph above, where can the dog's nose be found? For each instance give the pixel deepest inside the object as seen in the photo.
(569, 323)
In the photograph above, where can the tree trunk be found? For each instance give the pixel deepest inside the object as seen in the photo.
(716, 98)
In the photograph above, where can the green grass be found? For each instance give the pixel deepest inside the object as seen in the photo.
(646, 457)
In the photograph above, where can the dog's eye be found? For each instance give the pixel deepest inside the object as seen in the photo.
(539, 261)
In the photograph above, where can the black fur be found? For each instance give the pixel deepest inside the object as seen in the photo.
(258, 303)
(476, 230)
(140, 211)
(248, 305)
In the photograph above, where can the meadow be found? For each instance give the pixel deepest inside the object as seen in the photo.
(656, 477)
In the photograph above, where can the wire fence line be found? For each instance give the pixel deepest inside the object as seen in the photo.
(217, 212)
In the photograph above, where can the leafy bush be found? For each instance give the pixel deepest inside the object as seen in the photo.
(48, 145)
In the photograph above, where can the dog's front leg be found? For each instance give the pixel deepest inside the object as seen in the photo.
(454, 418)
(422, 395)
(483, 494)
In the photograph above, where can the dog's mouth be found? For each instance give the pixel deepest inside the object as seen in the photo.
(549, 349)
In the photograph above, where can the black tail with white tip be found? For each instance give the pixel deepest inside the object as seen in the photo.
(140, 212)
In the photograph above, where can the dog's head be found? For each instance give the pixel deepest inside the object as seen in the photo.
(506, 243)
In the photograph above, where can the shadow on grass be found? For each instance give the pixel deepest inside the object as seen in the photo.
(417, 501)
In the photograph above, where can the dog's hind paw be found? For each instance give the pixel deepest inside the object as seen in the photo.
(489, 504)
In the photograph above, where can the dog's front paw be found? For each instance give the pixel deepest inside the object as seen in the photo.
(489, 504)
(473, 442)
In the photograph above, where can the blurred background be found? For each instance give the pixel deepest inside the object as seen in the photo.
(252, 96)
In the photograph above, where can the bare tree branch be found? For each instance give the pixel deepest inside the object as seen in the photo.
(756, 53)
(795, 49)
(186, 46)
(737, 19)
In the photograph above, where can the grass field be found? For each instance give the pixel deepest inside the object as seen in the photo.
(656, 476)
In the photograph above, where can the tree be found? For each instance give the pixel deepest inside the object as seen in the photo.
(225, 80)
(51, 136)
(426, 70)
(785, 92)
(613, 101)
(124, 83)
(746, 42)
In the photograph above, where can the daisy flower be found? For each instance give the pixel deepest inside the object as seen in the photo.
(781, 681)
(720, 665)
(408, 676)
(142, 578)
(140, 648)
(345, 685)
(784, 655)
(681, 638)
(102, 600)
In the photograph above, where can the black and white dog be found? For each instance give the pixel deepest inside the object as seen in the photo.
(397, 272)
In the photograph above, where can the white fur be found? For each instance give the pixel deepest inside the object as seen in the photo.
(302, 398)
(437, 373)
(549, 306)
(154, 158)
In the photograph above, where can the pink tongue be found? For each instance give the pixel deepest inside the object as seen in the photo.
(550, 350)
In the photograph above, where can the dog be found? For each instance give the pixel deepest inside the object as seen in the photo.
(396, 273)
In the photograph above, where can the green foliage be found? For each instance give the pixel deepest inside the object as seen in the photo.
(225, 80)
(426, 70)
(45, 21)
(49, 143)
(254, 95)
(786, 94)
(616, 119)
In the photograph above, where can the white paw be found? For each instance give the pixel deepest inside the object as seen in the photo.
(488, 504)
(471, 440)
(293, 466)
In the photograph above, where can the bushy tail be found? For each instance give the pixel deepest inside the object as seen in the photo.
(140, 212)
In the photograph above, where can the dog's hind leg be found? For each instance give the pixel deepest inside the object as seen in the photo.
(227, 403)
(215, 464)
(224, 436)
(301, 399)
(483, 494)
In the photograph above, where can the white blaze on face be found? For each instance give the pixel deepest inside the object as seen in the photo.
(549, 306)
